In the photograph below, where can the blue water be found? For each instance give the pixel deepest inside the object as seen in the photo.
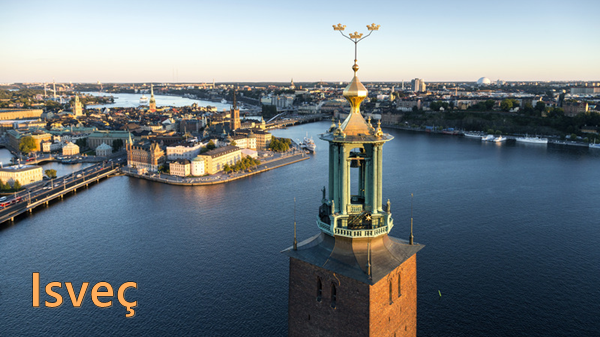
(123, 100)
(511, 235)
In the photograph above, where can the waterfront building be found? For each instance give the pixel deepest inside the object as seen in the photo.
(353, 279)
(145, 155)
(183, 150)
(15, 136)
(263, 138)
(572, 109)
(25, 174)
(180, 168)
(107, 137)
(197, 166)
(70, 149)
(245, 141)
(20, 113)
(152, 104)
(215, 160)
(104, 150)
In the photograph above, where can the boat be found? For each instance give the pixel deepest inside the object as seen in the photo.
(488, 138)
(143, 100)
(499, 139)
(532, 140)
(594, 145)
(472, 135)
(308, 144)
(223, 101)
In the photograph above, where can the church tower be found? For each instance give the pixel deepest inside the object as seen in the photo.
(352, 278)
(234, 122)
(77, 107)
(152, 104)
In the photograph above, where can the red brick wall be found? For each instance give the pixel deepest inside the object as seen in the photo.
(361, 310)
(400, 317)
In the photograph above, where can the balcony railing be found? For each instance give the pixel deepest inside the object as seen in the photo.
(353, 233)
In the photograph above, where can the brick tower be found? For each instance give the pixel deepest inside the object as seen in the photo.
(152, 104)
(234, 123)
(352, 278)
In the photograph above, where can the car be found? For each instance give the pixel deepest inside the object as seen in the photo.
(79, 176)
(3, 198)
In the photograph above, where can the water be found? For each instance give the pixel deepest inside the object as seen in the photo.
(123, 100)
(510, 232)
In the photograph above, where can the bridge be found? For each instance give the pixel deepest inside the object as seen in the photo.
(42, 194)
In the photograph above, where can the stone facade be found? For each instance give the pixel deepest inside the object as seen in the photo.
(107, 137)
(70, 149)
(183, 151)
(6, 114)
(180, 168)
(145, 155)
(214, 160)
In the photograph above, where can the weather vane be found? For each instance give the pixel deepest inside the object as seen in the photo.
(356, 37)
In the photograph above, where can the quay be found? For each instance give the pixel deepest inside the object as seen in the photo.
(220, 178)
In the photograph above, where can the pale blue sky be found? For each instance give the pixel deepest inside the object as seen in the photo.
(196, 41)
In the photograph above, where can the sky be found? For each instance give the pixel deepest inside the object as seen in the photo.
(254, 41)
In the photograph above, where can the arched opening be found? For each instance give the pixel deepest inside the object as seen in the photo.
(391, 301)
(333, 295)
(319, 289)
(357, 168)
(399, 284)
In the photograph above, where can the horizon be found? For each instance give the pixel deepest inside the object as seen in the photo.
(189, 42)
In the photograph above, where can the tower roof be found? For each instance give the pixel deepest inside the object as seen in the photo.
(348, 257)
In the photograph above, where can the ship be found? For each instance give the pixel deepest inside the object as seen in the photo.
(308, 144)
(143, 100)
(472, 135)
(594, 145)
(532, 140)
(488, 138)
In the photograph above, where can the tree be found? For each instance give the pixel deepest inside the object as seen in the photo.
(27, 144)
(540, 106)
(233, 143)
(50, 173)
(81, 143)
(117, 144)
(506, 104)
(489, 104)
(17, 185)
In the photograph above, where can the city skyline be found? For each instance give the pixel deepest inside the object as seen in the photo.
(275, 42)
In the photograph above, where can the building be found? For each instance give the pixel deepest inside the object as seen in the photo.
(180, 168)
(353, 279)
(24, 174)
(183, 150)
(572, 109)
(197, 166)
(245, 141)
(152, 104)
(235, 115)
(15, 136)
(70, 149)
(20, 113)
(263, 138)
(145, 155)
(107, 137)
(215, 160)
(77, 107)
(418, 85)
(104, 150)
(585, 90)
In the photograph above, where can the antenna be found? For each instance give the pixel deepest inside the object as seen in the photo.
(295, 242)
(411, 219)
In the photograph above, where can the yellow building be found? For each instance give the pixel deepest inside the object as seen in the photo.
(25, 174)
(215, 160)
(70, 149)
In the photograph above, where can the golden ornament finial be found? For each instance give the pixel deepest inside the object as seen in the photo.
(339, 27)
(373, 27)
(356, 35)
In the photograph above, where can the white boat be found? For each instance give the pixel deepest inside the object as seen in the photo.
(488, 138)
(594, 145)
(533, 140)
(143, 100)
(499, 139)
(472, 135)
(224, 101)
(308, 144)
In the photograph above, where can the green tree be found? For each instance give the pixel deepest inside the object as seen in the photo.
(489, 104)
(17, 185)
(117, 144)
(233, 143)
(506, 104)
(81, 142)
(27, 144)
(50, 173)
(540, 106)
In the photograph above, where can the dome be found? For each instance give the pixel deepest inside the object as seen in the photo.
(104, 146)
(198, 158)
(483, 81)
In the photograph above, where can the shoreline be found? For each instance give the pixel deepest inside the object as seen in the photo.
(292, 159)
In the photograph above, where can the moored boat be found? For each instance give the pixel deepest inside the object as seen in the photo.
(488, 138)
(532, 140)
(472, 135)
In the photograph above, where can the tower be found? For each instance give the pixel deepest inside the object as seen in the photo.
(292, 86)
(77, 107)
(234, 122)
(352, 278)
(152, 104)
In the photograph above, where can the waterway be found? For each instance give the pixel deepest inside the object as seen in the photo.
(511, 234)
(123, 100)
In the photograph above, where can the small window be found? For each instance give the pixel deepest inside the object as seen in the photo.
(399, 284)
(391, 301)
(333, 295)
(319, 289)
